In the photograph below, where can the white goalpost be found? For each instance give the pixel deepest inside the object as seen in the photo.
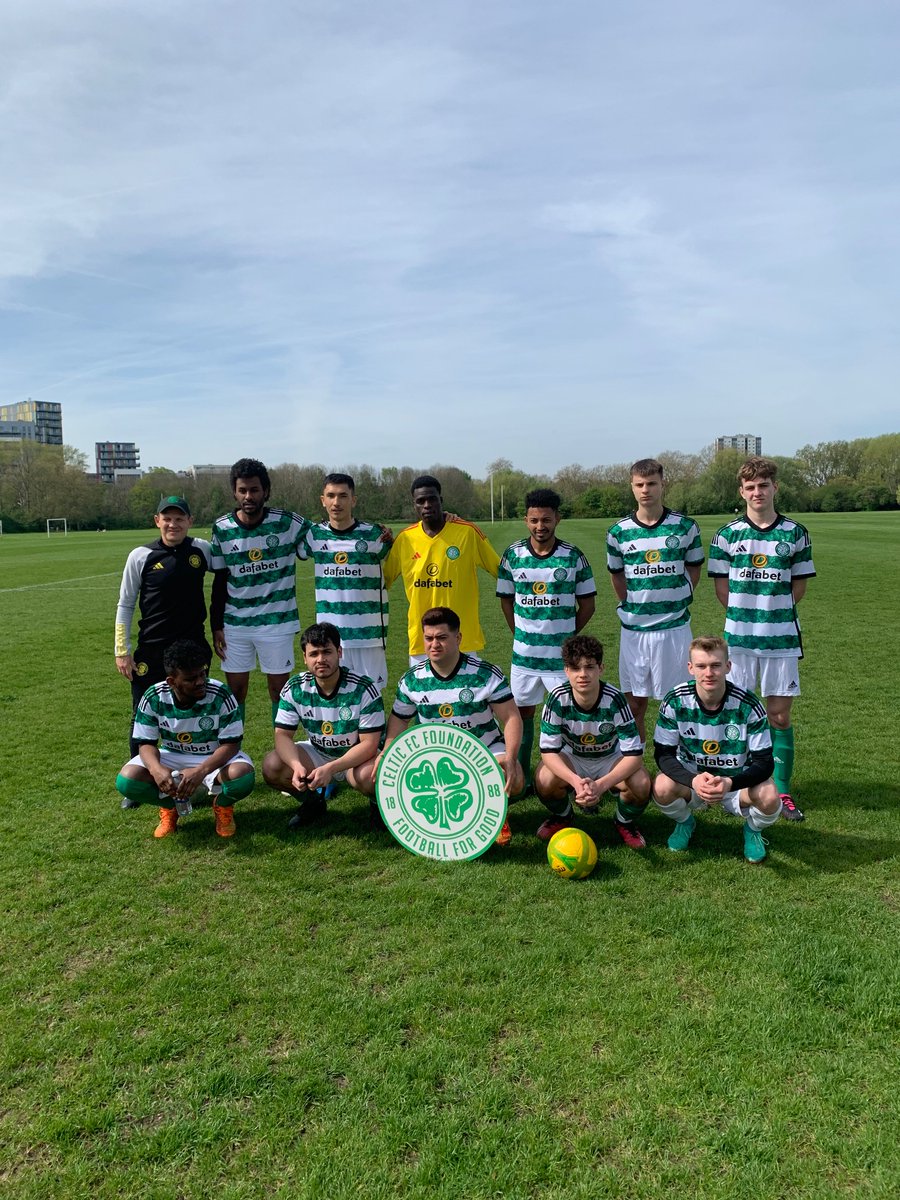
(57, 525)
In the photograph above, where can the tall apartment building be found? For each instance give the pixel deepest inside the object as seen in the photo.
(746, 443)
(115, 458)
(44, 416)
(17, 431)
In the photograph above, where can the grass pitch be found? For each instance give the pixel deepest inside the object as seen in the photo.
(326, 1015)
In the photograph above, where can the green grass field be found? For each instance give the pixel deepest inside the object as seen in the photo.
(324, 1015)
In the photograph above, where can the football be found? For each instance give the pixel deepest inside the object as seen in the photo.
(571, 854)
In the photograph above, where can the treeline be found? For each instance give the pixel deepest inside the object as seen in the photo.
(37, 482)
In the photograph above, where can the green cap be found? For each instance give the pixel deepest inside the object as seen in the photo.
(174, 502)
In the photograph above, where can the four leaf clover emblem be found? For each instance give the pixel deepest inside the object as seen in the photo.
(440, 793)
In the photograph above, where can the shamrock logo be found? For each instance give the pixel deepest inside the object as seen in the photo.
(440, 793)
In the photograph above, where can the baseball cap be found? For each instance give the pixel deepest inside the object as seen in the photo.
(174, 502)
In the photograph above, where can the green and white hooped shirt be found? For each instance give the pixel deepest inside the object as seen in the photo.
(261, 565)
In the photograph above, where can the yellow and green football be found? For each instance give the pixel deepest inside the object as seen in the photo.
(572, 854)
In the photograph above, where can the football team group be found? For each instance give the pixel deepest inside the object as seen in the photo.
(715, 741)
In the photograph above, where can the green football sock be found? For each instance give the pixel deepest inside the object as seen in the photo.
(628, 812)
(558, 808)
(138, 790)
(237, 789)
(783, 748)
(242, 709)
(526, 747)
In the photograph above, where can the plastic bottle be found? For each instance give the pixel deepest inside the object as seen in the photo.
(183, 804)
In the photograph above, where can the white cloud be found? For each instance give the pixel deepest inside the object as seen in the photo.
(524, 220)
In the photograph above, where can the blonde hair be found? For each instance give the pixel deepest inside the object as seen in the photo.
(709, 645)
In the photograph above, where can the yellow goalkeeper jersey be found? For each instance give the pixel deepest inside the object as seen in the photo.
(442, 570)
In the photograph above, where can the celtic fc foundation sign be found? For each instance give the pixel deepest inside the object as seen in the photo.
(441, 793)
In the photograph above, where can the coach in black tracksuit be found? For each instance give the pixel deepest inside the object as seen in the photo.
(164, 579)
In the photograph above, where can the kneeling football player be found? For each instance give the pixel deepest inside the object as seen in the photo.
(342, 715)
(590, 745)
(713, 747)
(188, 730)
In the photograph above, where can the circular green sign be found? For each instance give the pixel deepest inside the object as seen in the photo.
(441, 792)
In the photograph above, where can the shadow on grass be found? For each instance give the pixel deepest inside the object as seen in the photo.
(793, 848)
(822, 795)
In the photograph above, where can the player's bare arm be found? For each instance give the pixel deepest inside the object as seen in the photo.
(720, 582)
(585, 607)
(507, 605)
(160, 775)
(624, 768)
(395, 727)
(510, 719)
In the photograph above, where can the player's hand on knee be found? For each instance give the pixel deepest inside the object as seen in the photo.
(190, 780)
(319, 778)
(162, 777)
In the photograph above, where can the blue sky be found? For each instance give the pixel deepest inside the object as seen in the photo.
(400, 233)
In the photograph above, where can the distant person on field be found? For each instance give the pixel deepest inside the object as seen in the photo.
(189, 723)
(464, 690)
(713, 747)
(253, 611)
(654, 556)
(760, 565)
(342, 715)
(165, 581)
(439, 558)
(590, 747)
(547, 592)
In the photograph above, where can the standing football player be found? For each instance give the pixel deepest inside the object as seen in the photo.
(164, 579)
(347, 554)
(547, 592)
(654, 557)
(438, 558)
(253, 611)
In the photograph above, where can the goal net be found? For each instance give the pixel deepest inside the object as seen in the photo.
(56, 525)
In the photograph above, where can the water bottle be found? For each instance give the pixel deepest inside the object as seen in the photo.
(183, 804)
